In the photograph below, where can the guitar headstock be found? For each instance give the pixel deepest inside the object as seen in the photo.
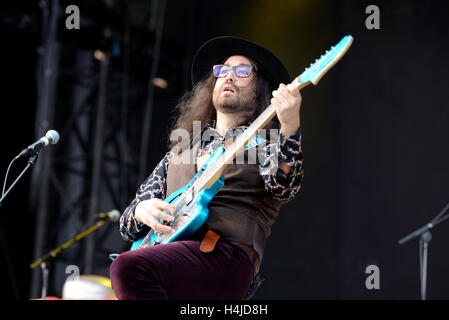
(318, 69)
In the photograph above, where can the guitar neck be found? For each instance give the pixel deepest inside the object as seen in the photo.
(313, 74)
(213, 173)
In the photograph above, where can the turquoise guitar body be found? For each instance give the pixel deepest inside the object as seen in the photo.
(191, 209)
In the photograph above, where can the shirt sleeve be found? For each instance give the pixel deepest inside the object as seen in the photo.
(283, 186)
(154, 186)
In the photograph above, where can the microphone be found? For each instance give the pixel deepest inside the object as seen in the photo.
(114, 215)
(51, 136)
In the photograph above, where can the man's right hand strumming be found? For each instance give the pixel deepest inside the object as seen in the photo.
(147, 211)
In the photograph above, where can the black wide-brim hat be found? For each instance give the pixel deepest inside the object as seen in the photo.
(216, 50)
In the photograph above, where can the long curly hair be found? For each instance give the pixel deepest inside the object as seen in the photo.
(197, 105)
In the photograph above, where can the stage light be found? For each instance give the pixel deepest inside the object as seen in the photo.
(100, 55)
(160, 82)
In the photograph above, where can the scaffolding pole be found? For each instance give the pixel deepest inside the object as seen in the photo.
(98, 158)
(44, 120)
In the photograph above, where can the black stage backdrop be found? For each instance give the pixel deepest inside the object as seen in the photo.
(375, 141)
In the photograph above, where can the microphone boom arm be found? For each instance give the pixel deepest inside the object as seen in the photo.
(53, 253)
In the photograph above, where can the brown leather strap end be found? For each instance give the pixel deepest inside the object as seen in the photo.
(209, 241)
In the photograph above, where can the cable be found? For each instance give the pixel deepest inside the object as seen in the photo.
(6, 176)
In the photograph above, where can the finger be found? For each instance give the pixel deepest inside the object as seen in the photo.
(164, 216)
(163, 228)
(279, 96)
(162, 205)
(284, 94)
(294, 91)
(159, 227)
(290, 91)
(290, 98)
(276, 102)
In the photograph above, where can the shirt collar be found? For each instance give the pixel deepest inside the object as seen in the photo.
(211, 125)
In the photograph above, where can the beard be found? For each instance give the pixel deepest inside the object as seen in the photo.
(234, 103)
(228, 104)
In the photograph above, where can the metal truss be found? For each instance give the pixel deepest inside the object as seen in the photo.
(97, 107)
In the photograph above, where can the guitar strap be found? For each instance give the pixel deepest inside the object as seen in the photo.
(209, 241)
(211, 238)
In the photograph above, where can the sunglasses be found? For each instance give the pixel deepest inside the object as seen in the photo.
(241, 71)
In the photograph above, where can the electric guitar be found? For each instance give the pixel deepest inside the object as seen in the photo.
(192, 200)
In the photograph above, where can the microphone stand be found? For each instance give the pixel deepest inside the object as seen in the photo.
(425, 237)
(43, 261)
(31, 162)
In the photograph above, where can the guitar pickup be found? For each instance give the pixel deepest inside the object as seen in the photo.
(168, 223)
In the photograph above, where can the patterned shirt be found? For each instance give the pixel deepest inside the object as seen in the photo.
(282, 186)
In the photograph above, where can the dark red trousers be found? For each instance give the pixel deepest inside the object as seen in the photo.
(180, 271)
